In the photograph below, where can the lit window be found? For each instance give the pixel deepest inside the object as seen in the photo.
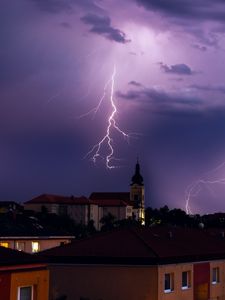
(35, 246)
(20, 246)
(215, 275)
(25, 293)
(186, 280)
(4, 244)
(168, 282)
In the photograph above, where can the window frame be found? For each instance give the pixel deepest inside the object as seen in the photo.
(25, 286)
(171, 283)
(217, 275)
(3, 244)
(188, 280)
(19, 244)
(34, 242)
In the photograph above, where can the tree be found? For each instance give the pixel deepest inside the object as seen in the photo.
(107, 222)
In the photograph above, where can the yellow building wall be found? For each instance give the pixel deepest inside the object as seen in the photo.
(38, 279)
(103, 282)
(177, 293)
(217, 291)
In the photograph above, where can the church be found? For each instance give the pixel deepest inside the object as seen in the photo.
(122, 205)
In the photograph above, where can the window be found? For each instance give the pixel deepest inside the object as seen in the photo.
(25, 293)
(63, 209)
(215, 275)
(168, 282)
(35, 246)
(20, 246)
(186, 280)
(4, 244)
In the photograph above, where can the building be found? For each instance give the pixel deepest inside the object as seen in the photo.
(22, 277)
(81, 209)
(32, 244)
(10, 206)
(140, 263)
(133, 201)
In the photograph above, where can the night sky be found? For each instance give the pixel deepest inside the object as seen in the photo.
(56, 57)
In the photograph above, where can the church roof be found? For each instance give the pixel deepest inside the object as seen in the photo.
(125, 196)
(110, 202)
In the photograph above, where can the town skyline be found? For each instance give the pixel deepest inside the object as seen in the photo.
(56, 60)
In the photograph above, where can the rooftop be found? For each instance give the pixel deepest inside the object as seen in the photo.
(56, 199)
(159, 245)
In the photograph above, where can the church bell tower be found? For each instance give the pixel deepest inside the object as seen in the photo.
(137, 195)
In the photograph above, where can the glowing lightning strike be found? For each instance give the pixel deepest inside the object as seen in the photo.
(194, 189)
(112, 125)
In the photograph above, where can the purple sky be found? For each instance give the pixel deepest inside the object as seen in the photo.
(55, 59)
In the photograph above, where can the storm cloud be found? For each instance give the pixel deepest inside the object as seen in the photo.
(178, 69)
(102, 25)
(189, 9)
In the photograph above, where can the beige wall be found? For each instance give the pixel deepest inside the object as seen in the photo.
(177, 293)
(79, 213)
(38, 279)
(51, 208)
(103, 282)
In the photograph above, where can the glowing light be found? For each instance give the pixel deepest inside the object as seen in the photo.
(193, 190)
(107, 139)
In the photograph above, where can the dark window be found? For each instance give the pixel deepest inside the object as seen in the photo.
(215, 275)
(136, 197)
(168, 282)
(25, 293)
(186, 279)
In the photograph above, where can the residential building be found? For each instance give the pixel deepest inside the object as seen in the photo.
(140, 263)
(10, 206)
(32, 244)
(22, 277)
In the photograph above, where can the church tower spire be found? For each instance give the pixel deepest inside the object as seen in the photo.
(137, 194)
(137, 178)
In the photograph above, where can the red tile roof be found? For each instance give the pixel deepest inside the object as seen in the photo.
(55, 199)
(112, 196)
(110, 202)
(143, 245)
(125, 196)
(14, 257)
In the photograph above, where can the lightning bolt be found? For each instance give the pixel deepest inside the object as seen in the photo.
(193, 189)
(107, 139)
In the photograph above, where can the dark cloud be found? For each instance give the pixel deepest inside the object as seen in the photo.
(209, 38)
(188, 9)
(209, 88)
(161, 101)
(180, 69)
(199, 47)
(102, 25)
(135, 83)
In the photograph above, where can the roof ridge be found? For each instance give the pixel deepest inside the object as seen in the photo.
(134, 231)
